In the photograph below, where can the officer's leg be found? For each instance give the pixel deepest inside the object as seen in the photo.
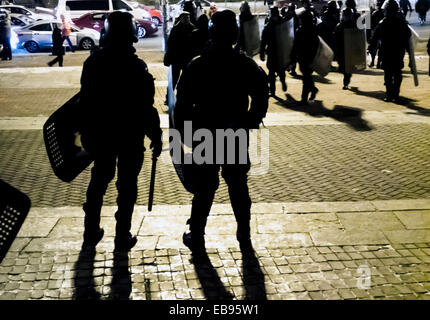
(397, 81)
(60, 60)
(206, 181)
(346, 79)
(176, 71)
(130, 160)
(236, 177)
(272, 82)
(281, 75)
(102, 173)
(388, 78)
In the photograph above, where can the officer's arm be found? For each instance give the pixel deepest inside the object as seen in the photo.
(259, 93)
(184, 96)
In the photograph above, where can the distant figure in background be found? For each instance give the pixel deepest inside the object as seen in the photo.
(393, 33)
(179, 46)
(421, 7)
(212, 9)
(190, 7)
(245, 15)
(330, 18)
(373, 48)
(305, 47)
(346, 23)
(65, 31)
(5, 33)
(405, 5)
(57, 47)
(270, 47)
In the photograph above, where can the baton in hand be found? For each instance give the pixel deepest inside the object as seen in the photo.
(152, 183)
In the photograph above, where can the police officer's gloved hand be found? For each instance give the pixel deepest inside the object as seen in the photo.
(156, 147)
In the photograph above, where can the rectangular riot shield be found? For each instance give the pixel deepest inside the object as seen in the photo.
(355, 50)
(184, 171)
(323, 58)
(413, 39)
(251, 34)
(14, 207)
(284, 37)
(62, 141)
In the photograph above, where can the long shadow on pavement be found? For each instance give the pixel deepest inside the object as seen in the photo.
(406, 102)
(121, 285)
(212, 286)
(253, 277)
(84, 286)
(349, 115)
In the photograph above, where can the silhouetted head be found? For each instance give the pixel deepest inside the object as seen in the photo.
(184, 18)
(379, 4)
(350, 4)
(291, 7)
(224, 30)
(203, 22)
(120, 28)
(347, 14)
(391, 8)
(332, 5)
(244, 8)
(274, 13)
(307, 18)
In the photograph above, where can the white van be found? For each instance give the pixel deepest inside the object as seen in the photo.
(77, 8)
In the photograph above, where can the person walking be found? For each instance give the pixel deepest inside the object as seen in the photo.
(421, 7)
(393, 33)
(405, 5)
(238, 78)
(57, 47)
(5, 34)
(347, 22)
(270, 46)
(116, 107)
(305, 47)
(373, 49)
(65, 31)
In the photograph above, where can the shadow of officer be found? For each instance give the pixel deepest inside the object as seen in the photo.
(117, 96)
(234, 77)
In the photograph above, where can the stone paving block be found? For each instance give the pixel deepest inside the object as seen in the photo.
(406, 204)
(36, 227)
(408, 236)
(282, 240)
(414, 219)
(329, 237)
(173, 225)
(282, 223)
(370, 220)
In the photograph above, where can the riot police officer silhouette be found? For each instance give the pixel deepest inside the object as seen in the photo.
(117, 114)
(235, 78)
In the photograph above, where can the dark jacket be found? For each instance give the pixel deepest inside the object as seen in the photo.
(215, 88)
(326, 28)
(117, 96)
(269, 44)
(57, 42)
(179, 45)
(243, 17)
(305, 45)
(393, 34)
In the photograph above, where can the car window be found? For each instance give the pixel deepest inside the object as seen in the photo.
(83, 5)
(119, 5)
(42, 27)
(16, 22)
(99, 16)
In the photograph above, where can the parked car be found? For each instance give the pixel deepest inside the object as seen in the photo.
(176, 9)
(156, 15)
(39, 36)
(20, 20)
(76, 8)
(95, 20)
(21, 10)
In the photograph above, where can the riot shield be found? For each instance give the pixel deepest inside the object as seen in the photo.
(323, 58)
(62, 141)
(413, 39)
(183, 170)
(354, 50)
(251, 34)
(284, 37)
(14, 207)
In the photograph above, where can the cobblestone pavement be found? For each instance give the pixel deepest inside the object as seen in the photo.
(358, 254)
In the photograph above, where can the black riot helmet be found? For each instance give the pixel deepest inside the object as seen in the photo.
(224, 30)
(120, 28)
